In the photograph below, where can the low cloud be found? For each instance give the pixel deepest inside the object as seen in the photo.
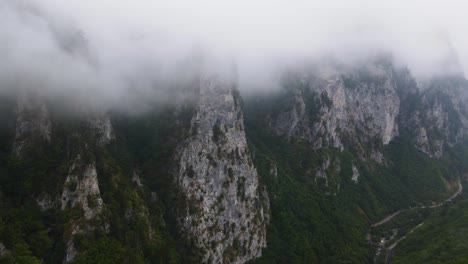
(135, 52)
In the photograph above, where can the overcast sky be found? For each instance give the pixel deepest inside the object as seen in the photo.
(117, 45)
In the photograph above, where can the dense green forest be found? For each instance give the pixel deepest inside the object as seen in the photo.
(148, 236)
(441, 239)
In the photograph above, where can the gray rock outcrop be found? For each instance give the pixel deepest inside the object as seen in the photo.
(223, 213)
(81, 192)
(81, 189)
(330, 106)
(101, 125)
(441, 117)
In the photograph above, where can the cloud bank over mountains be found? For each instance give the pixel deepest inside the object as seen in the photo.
(126, 51)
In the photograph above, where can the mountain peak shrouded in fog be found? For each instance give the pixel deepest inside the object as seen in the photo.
(122, 53)
(222, 131)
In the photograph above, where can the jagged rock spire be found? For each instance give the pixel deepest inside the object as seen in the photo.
(223, 212)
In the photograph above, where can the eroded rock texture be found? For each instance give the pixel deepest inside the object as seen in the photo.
(224, 214)
(329, 107)
(438, 116)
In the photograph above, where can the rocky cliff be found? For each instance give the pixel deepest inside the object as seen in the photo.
(439, 117)
(81, 187)
(364, 107)
(337, 146)
(330, 106)
(224, 212)
(80, 192)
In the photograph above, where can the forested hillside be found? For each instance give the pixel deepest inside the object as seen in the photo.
(296, 176)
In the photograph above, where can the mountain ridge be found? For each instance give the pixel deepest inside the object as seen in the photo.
(297, 175)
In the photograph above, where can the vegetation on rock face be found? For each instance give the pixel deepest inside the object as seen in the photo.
(325, 222)
(318, 214)
(141, 219)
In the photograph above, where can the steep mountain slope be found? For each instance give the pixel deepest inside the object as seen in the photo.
(295, 176)
(119, 182)
(332, 105)
(223, 211)
(344, 149)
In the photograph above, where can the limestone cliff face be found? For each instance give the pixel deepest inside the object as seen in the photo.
(330, 106)
(81, 188)
(361, 101)
(101, 126)
(224, 213)
(294, 123)
(32, 122)
(81, 192)
(440, 118)
(365, 106)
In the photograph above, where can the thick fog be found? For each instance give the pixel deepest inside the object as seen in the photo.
(125, 52)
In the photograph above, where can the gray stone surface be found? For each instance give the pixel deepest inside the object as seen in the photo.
(223, 213)
(81, 190)
(359, 104)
